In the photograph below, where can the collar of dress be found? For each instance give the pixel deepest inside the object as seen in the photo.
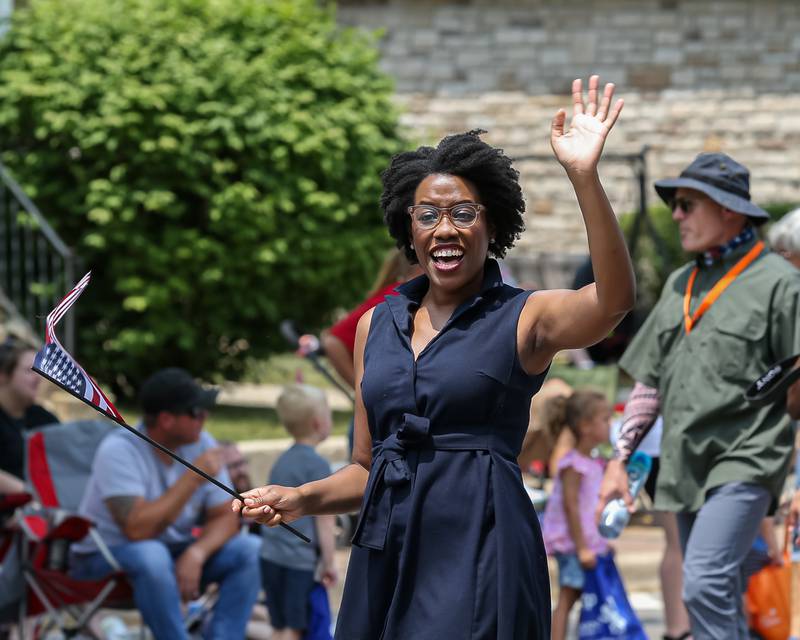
(411, 293)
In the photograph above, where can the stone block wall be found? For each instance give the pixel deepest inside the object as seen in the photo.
(696, 76)
(538, 46)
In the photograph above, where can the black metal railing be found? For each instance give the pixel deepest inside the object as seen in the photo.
(36, 267)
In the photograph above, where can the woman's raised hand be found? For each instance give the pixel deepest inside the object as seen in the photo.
(270, 505)
(579, 149)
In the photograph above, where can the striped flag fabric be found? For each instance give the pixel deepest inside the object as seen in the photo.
(57, 365)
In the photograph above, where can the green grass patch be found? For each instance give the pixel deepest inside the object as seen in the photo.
(285, 368)
(246, 423)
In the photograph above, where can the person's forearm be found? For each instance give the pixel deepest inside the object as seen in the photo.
(9, 483)
(793, 401)
(340, 358)
(148, 519)
(326, 537)
(529, 444)
(767, 531)
(341, 492)
(611, 262)
(574, 526)
(216, 532)
(641, 412)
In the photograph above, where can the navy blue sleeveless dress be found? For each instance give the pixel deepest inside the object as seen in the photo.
(448, 545)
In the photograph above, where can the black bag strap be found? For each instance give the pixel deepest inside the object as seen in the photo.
(772, 385)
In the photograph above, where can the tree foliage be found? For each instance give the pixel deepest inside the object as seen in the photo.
(215, 163)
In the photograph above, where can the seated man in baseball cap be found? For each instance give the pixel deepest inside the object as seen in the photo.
(146, 505)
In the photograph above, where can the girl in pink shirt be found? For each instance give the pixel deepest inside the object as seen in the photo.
(569, 528)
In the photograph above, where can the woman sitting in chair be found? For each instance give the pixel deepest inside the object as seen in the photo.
(18, 410)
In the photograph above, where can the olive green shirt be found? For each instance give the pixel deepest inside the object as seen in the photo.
(712, 436)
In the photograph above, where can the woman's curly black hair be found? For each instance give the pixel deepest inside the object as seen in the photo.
(467, 156)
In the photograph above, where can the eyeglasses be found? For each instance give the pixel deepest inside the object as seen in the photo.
(686, 205)
(196, 412)
(462, 215)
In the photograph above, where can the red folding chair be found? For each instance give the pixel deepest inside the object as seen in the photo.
(11, 580)
(58, 465)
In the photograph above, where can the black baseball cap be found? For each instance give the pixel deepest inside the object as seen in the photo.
(174, 390)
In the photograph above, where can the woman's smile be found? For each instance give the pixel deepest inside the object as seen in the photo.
(447, 257)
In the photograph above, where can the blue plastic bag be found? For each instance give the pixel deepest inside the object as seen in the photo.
(606, 613)
(319, 615)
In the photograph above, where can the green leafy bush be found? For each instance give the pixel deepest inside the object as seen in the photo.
(777, 210)
(657, 253)
(215, 163)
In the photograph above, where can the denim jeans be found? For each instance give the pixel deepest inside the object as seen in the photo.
(150, 567)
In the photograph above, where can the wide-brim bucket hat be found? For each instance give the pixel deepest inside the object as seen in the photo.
(722, 179)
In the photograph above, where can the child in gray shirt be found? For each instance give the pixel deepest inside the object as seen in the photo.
(288, 565)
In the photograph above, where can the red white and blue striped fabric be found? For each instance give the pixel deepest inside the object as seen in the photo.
(57, 365)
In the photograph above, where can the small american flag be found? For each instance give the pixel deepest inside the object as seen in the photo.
(54, 363)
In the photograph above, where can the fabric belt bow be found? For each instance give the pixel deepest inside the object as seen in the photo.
(390, 469)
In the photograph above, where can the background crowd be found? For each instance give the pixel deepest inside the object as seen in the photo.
(247, 202)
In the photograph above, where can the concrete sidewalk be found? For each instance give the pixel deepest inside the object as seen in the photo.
(239, 394)
(261, 454)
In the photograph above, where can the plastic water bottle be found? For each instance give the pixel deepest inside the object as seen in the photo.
(114, 628)
(615, 515)
(195, 616)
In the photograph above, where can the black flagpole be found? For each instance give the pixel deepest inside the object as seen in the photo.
(170, 453)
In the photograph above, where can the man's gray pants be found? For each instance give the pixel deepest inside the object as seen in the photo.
(715, 542)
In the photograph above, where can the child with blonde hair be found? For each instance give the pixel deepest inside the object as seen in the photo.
(569, 529)
(290, 567)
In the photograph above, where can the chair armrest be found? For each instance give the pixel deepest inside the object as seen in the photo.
(72, 528)
(12, 501)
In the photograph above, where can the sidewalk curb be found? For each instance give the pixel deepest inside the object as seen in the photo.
(265, 396)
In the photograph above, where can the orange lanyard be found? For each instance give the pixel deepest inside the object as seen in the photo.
(717, 289)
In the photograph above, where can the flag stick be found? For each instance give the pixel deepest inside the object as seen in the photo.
(170, 453)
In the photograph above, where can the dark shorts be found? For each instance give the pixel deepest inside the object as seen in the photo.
(287, 595)
(650, 484)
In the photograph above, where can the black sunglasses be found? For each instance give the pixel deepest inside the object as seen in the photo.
(687, 205)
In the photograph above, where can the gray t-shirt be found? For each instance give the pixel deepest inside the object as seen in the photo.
(299, 464)
(126, 465)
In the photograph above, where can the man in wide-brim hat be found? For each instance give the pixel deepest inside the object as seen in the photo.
(721, 321)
